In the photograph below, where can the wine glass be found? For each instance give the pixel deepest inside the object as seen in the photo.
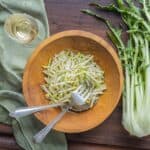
(21, 27)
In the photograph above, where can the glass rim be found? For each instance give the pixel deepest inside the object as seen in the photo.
(27, 16)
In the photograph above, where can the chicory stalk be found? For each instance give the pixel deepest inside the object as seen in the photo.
(135, 57)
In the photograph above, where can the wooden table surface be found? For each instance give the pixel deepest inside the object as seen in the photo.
(65, 15)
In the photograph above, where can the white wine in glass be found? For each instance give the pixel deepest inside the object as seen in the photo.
(21, 27)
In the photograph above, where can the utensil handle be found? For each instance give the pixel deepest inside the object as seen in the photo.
(22, 112)
(39, 137)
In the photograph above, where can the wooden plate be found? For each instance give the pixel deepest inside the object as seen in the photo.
(104, 55)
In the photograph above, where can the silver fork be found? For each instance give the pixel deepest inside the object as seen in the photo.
(79, 97)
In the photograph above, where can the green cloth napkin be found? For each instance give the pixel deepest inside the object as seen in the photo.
(13, 57)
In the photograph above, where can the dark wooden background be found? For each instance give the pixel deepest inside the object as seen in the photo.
(65, 15)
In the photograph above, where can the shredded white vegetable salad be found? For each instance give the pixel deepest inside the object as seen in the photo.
(66, 71)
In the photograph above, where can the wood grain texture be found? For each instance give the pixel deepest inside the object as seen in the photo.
(5, 129)
(65, 15)
(87, 146)
(111, 132)
(7, 142)
(78, 41)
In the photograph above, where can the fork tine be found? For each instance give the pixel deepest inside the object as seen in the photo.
(80, 95)
(79, 88)
(83, 94)
(87, 96)
(82, 90)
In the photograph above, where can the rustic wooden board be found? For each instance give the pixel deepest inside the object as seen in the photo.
(8, 142)
(111, 132)
(4, 129)
(87, 146)
(65, 15)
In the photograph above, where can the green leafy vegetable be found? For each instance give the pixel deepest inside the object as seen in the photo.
(66, 71)
(135, 57)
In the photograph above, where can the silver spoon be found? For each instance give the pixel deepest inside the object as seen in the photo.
(79, 98)
(25, 111)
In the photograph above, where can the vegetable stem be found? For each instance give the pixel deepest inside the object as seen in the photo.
(135, 58)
